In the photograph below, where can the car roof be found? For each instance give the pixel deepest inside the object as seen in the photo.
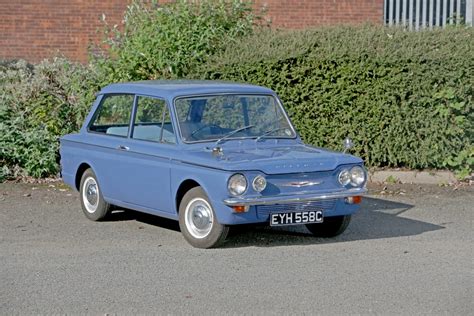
(176, 88)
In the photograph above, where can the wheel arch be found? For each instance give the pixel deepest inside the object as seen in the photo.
(184, 187)
(80, 171)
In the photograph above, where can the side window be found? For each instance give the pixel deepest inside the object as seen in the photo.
(113, 115)
(152, 121)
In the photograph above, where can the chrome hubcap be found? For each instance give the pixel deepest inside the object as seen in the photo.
(90, 194)
(199, 218)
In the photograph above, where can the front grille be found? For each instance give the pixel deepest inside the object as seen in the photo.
(263, 211)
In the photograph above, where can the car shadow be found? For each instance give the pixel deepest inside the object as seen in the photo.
(377, 218)
(119, 215)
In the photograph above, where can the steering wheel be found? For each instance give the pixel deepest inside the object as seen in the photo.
(199, 129)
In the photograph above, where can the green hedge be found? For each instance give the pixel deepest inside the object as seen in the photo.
(167, 41)
(406, 98)
(39, 103)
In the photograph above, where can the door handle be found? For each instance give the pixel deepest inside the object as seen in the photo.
(122, 147)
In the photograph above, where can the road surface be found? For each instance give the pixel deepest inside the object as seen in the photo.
(405, 252)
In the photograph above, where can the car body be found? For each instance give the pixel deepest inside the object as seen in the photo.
(223, 153)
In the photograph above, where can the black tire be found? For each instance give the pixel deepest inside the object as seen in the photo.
(195, 202)
(94, 207)
(331, 227)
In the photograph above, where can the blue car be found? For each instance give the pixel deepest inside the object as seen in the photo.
(210, 155)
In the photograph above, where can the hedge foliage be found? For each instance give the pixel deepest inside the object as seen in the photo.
(163, 41)
(37, 105)
(406, 98)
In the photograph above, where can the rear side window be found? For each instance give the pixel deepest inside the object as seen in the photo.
(113, 115)
(152, 121)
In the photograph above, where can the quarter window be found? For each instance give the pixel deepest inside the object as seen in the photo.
(113, 115)
(152, 121)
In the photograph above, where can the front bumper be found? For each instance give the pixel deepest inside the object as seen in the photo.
(294, 198)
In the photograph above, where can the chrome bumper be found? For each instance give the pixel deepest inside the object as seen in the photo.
(295, 198)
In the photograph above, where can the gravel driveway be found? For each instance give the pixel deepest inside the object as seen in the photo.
(408, 251)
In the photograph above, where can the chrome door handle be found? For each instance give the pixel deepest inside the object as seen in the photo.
(122, 147)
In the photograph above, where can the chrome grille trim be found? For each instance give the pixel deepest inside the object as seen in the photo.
(294, 198)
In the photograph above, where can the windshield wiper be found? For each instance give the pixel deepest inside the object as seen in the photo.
(235, 131)
(270, 132)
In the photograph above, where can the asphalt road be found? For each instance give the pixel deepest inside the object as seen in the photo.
(409, 253)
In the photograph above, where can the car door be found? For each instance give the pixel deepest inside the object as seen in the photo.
(147, 155)
(108, 132)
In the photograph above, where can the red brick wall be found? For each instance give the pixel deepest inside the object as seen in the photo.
(37, 29)
(307, 13)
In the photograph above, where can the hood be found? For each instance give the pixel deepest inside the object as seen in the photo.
(273, 160)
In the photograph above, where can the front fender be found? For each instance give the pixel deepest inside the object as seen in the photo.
(213, 182)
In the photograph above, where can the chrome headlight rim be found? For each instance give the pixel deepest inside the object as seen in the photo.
(358, 176)
(259, 183)
(344, 177)
(231, 187)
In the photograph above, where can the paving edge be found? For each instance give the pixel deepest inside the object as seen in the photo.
(416, 177)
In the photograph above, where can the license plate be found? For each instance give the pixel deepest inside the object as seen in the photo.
(296, 218)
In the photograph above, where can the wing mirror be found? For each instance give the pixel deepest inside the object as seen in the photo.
(348, 144)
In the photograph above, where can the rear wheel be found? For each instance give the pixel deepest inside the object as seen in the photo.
(198, 222)
(331, 227)
(93, 204)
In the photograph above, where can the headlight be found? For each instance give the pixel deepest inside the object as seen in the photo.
(259, 183)
(357, 176)
(237, 184)
(344, 177)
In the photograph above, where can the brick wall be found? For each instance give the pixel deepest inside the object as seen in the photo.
(307, 13)
(37, 29)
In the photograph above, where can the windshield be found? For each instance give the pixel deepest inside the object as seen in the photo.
(210, 118)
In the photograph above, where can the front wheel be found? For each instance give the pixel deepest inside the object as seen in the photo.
(331, 227)
(198, 222)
